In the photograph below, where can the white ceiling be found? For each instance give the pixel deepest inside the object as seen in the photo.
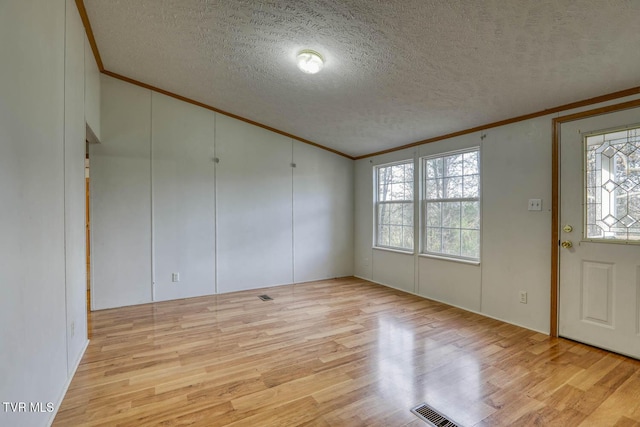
(396, 71)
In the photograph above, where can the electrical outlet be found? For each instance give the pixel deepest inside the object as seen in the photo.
(535, 204)
(365, 262)
(73, 329)
(523, 297)
(175, 277)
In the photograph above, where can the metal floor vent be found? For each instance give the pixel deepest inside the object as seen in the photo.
(265, 298)
(432, 417)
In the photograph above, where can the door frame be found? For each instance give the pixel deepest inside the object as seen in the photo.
(555, 198)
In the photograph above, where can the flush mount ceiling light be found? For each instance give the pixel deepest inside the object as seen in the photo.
(310, 61)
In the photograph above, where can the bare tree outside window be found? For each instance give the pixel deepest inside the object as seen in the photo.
(451, 205)
(394, 206)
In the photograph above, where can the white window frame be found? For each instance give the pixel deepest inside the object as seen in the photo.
(424, 201)
(377, 203)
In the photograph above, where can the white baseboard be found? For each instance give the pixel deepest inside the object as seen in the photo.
(67, 384)
(454, 305)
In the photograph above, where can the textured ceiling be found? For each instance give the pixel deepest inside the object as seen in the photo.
(396, 71)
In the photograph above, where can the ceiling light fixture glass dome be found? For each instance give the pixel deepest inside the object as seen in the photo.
(310, 61)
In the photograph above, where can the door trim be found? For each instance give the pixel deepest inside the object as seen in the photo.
(555, 197)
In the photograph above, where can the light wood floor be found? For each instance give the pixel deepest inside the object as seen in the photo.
(341, 352)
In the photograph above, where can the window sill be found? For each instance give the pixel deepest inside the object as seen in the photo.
(444, 258)
(398, 251)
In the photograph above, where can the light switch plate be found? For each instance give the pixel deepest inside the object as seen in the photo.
(523, 297)
(535, 204)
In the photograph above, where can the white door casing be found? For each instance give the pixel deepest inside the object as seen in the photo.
(598, 281)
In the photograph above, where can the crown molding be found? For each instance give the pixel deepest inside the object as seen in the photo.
(87, 28)
(565, 107)
(219, 111)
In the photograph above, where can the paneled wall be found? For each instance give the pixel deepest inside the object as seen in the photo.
(121, 198)
(255, 231)
(74, 187)
(92, 90)
(322, 214)
(515, 242)
(177, 189)
(43, 329)
(516, 166)
(183, 197)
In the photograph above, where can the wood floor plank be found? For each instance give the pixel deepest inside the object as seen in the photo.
(343, 352)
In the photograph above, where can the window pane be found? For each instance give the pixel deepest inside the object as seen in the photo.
(451, 207)
(395, 195)
(433, 168)
(634, 232)
(634, 204)
(434, 240)
(397, 191)
(453, 187)
(591, 175)
(453, 165)
(620, 203)
(395, 213)
(384, 180)
(383, 214)
(391, 172)
(383, 235)
(407, 214)
(395, 236)
(395, 225)
(383, 192)
(451, 241)
(451, 214)
(395, 182)
(470, 215)
(595, 140)
(407, 237)
(433, 214)
(612, 193)
(470, 163)
(408, 190)
(408, 172)
(434, 189)
(470, 240)
(471, 186)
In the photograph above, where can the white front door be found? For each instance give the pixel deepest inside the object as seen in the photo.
(600, 231)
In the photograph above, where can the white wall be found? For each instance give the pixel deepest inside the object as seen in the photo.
(254, 211)
(92, 90)
(121, 198)
(40, 249)
(74, 184)
(249, 221)
(183, 177)
(322, 214)
(386, 267)
(515, 250)
(515, 246)
(452, 282)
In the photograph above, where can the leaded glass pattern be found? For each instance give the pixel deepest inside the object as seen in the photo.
(612, 185)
